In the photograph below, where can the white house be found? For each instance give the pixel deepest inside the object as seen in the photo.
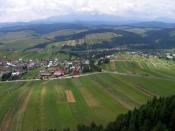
(17, 73)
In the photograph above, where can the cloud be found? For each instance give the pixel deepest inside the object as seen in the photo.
(27, 10)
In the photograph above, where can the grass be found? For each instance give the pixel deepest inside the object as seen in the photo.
(35, 54)
(140, 31)
(135, 64)
(20, 39)
(99, 98)
(100, 37)
(31, 74)
(88, 39)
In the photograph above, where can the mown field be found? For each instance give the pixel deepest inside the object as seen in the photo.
(135, 64)
(26, 106)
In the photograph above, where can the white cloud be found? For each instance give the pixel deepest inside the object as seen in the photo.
(26, 10)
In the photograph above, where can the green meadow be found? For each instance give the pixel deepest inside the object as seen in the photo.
(41, 105)
(135, 64)
(126, 84)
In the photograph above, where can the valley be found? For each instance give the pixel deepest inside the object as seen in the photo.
(87, 65)
(126, 82)
(76, 74)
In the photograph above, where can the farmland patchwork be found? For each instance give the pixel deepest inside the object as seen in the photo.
(59, 104)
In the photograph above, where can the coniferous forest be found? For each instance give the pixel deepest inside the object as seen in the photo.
(156, 115)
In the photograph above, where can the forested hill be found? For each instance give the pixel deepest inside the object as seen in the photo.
(137, 38)
(84, 37)
(157, 115)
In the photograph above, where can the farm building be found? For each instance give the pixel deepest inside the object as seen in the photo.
(58, 73)
(45, 75)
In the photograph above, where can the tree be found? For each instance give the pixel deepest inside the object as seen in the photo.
(160, 127)
(6, 76)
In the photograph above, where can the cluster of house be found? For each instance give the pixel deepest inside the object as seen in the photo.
(58, 69)
(16, 67)
(170, 56)
(162, 55)
(48, 68)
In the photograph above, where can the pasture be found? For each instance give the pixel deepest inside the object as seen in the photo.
(135, 64)
(58, 104)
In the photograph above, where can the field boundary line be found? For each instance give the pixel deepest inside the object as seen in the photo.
(119, 100)
(42, 93)
(145, 91)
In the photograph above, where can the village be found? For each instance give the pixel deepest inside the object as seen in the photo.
(54, 68)
(44, 69)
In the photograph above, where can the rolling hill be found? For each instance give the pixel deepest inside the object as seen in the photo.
(84, 37)
(135, 64)
(101, 97)
(101, 73)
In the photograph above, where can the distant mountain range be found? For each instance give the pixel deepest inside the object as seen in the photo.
(154, 24)
(97, 19)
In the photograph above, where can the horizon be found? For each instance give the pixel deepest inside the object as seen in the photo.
(121, 10)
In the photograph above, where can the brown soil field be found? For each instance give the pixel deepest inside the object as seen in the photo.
(70, 97)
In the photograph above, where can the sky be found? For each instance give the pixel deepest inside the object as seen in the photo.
(28, 10)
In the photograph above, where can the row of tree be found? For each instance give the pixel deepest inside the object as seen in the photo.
(92, 67)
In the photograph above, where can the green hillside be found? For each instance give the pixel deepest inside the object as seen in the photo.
(125, 83)
(35, 54)
(82, 38)
(99, 98)
(156, 115)
(20, 39)
(136, 64)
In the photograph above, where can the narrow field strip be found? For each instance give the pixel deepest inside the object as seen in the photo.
(121, 99)
(61, 97)
(25, 104)
(117, 94)
(113, 66)
(70, 97)
(129, 90)
(21, 111)
(88, 97)
(43, 90)
(43, 115)
(145, 91)
(6, 124)
(80, 110)
(106, 103)
(32, 117)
